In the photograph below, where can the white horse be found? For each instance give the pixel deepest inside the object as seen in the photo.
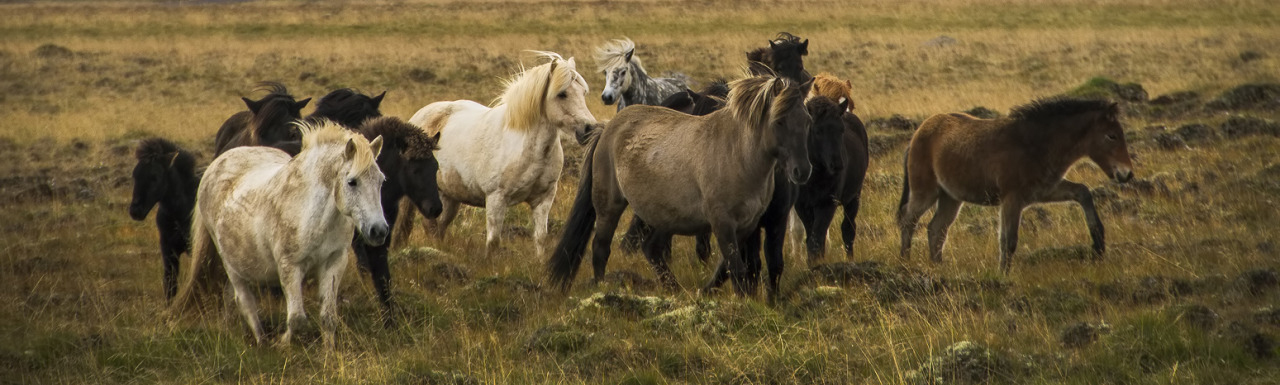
(271, 218)
(509, 154)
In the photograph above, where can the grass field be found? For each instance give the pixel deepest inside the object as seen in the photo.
(1187, 293)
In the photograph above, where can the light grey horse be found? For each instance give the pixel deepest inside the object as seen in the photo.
(625, 80)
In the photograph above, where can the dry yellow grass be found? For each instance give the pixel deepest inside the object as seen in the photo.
(80, 282)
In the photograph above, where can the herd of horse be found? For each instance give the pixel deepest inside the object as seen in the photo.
(287, 195)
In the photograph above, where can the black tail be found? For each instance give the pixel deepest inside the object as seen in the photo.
(567, 256)
(906, 186)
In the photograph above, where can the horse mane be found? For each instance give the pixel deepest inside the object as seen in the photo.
(527, 93)
(162, 150)
(275, 105)
(829, 85)
(417, 144)
(751, 97)
(325, 131)
(613, 54)
(346, 106)
(1058, 107)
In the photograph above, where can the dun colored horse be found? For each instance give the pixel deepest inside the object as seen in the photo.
(685, 174)
(1012, 162)
(166, 175)
(270, 218)
(625, 80)
(268, 122)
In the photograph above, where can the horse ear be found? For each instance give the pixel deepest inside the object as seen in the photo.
(628, 57)
(573, 64)
(806, 86)
(772, 45)
(376, 146)
(253, 106)
(302, 103)
(351, 150)
(804, 47)
(844, 104)
(377, 100)
(435, 141)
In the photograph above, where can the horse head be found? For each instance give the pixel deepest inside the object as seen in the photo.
(358, 188)
(826, 136)
(151, 176)
(1107, 145)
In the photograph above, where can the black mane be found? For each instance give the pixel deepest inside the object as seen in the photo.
(162, 150)
(1059, 107)
(784, 55)
(415, 143)
(347, 107)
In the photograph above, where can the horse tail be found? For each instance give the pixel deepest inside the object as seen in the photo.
(403, 227)
(567, 256)
(906, 185)
(206, 264)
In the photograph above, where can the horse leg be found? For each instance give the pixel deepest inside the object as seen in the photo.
(248, 306)
(774, 236)
(330, 277)
(849, 227)
(602, 244)
(731, 262)
(1010, 214)
(943, 216)
(495, 211)
(657, 249)
(291, 283)
(702, 246)
(819, 222)
(1071, 191)
(797, 231)
(634, 238)
(169, 257)
(403, 228)
(448, 211)
(540, 216)
(749, 249)
(910, 214)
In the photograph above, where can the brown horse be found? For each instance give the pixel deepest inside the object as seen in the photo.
(839, 91)
(685, 174)
(1012, 162)
(268, 122)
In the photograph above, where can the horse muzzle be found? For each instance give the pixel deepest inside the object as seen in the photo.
(583, 132)
(608, 98)
(1122, 175)
(138, 212)
(433, 209)
(376, 235)
(800, 175)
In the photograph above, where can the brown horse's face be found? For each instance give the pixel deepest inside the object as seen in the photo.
(792, 133)
(1108, 148)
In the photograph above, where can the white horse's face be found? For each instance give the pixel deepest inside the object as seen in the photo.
(616, 82)
(359, 193)
(567, 109)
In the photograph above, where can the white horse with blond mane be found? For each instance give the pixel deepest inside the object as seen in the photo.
(508, 154)
(274, 219)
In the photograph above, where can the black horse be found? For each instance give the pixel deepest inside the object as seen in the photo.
(165, 175)
(784, 56)
(838, 172)
(410, 166)
(268, 122)
(347, 107)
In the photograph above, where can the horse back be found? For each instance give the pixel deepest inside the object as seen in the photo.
(967, 157)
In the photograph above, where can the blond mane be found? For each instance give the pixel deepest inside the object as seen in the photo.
(324, 131)
(751, 97)
(826, 84)
(527, 93)
(613, 54)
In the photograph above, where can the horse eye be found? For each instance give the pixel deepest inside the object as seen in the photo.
(563, 95)
(351, 182)
(1111, 137)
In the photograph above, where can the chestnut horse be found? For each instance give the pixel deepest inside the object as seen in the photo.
(1011, 162)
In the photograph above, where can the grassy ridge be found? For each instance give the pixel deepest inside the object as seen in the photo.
(79, 281)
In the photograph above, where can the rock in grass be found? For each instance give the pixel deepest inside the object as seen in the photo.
(964, 363)
(557, 339)
(1197, 316)
(1104, 88)
(1080, 335)
(627, 304)
(1247, 96)
(702, 317)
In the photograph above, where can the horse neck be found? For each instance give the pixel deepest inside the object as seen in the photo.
(180, 190)
(751, 146)
(641, 83)
(537, 139)
(1057, 157)
(305, 184)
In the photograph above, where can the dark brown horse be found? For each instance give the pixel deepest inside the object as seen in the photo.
(268, 122)
(784, 56)
(166, 176)
(347, 107)
(1012, 162)
(839, 168)
(686, 174)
